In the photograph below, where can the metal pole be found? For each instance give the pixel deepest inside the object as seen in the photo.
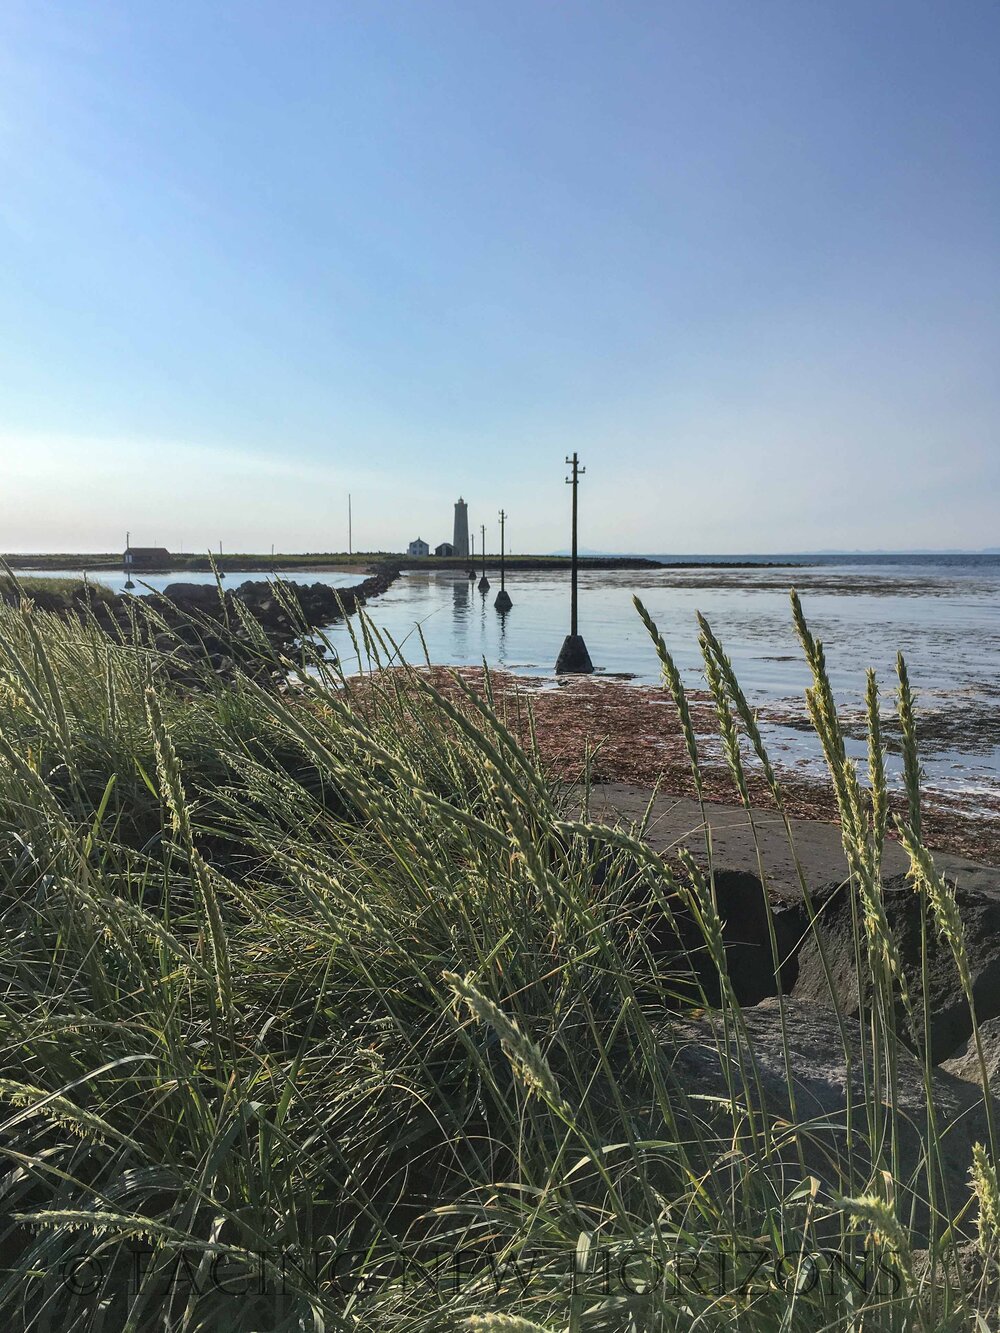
(350, 534)
(573, 594)
(503, 602)
(484, 583)
(573, 655)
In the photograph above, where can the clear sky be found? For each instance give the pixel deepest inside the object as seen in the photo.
(741, 254)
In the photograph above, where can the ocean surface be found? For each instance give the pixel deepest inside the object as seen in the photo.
(941, 611)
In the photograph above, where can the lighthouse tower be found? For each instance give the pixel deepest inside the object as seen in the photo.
(461, 537)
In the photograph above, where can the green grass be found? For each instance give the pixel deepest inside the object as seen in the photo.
(197, 560)
(335, 969)
(52, 594)
(261, 561)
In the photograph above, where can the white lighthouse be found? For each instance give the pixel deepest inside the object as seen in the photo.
(461, 538)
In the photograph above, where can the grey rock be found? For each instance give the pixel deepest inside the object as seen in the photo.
(198, 596)
(951, 1021)
(818, 1059)
(678, 944)
(965, 1064)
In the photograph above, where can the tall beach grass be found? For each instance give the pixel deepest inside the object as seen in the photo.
(323, 1008)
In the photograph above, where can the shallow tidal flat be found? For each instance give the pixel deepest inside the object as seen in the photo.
(943, 613)
(619, 732)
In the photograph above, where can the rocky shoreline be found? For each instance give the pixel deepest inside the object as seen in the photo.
(194, 622)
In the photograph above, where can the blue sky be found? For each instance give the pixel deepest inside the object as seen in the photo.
(742, 254)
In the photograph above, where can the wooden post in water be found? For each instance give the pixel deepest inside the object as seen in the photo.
(573, 656)
(503, 602)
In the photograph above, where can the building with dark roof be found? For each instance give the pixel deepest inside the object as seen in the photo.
(147, 557)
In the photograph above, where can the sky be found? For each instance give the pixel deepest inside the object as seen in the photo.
(742, 255)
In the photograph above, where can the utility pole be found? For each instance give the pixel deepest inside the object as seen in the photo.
(573, 655)
(503, 602)
(472, 557)
(128, 572)
(221, 571)
(350, 532)
(484, 583)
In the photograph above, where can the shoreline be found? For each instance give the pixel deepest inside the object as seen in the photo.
(634, 739)
(629, 728)
(343, 562)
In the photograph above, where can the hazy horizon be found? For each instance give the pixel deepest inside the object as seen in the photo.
(742, 258)
(590, 552)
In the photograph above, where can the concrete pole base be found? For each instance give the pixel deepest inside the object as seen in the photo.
(573, 656)
(484, 584)
(503, 602)
(472, 575)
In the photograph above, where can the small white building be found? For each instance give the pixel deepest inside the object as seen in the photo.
(419, 547)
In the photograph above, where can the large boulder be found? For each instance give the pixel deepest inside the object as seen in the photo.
(830, 1137)
(194, 596)
(950, 1019)
(965, 1063)
(678, 944)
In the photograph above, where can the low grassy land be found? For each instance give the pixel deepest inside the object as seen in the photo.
(198, 560)
(51, 594)
(250, 561)
(323, 1008)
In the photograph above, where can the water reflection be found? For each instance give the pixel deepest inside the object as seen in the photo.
(502, 638)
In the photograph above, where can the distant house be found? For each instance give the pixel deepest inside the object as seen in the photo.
(445, 548)
(147, 557)
(419, 547)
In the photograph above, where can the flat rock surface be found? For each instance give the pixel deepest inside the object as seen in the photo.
(676, 822)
